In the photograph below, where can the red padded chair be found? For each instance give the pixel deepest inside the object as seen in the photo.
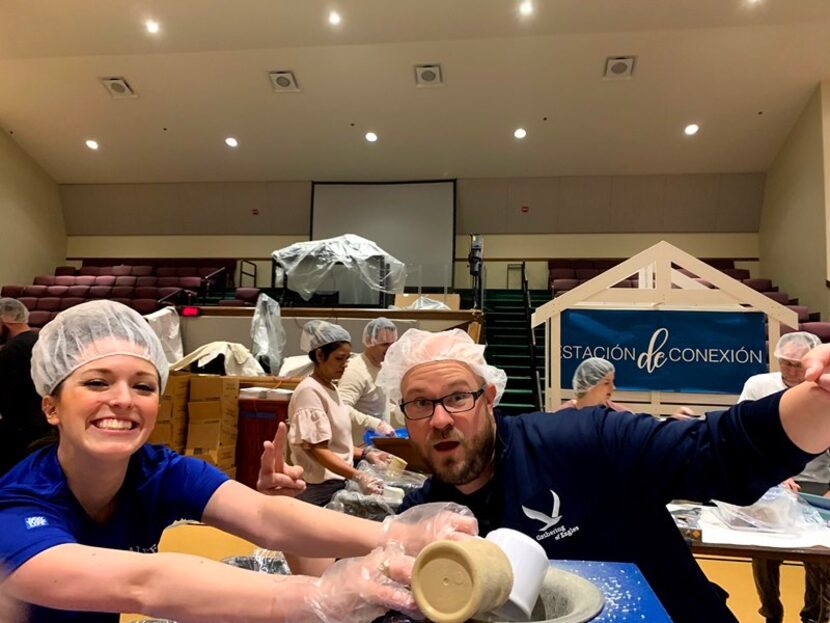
(58, 291)
(44, 280)
(71, 301)
(36, 291)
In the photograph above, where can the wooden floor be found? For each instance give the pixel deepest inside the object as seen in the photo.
(735, 576)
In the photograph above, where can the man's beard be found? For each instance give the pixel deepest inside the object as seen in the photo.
(477, 453)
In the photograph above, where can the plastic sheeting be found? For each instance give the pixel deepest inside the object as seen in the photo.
(238, 359)
(424, 302)
(267, 333)
(307, 264)
(165, 323)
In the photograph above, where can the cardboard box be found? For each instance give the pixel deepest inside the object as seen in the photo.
(162, 433)
(209, 410)
(211, 435)
(222, 458)
(173, 403)
(207, 387)
(231, 472)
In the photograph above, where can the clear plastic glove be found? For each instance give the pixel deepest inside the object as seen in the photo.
(275, 477)
(377, 457)
(385, 429)
(368, 484)
(421, 525)
(357, 590)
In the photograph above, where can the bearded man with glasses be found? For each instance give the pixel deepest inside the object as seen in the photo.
(534, 472)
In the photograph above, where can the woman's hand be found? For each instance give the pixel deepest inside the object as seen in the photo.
(275, 477)
(357, 590)
(385, 429)
(419, 526)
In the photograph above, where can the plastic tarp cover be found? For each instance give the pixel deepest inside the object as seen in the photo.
(424, 302)
(165, 324)
(307, 264)
(238, 359)
(267, 333)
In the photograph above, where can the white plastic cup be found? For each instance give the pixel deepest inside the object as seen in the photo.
(529, 562)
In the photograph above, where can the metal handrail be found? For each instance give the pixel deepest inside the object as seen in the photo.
(208, 279)
(534, 371)
(252, 274)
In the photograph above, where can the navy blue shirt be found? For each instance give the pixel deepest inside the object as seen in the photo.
(548, 464)
(38, 511)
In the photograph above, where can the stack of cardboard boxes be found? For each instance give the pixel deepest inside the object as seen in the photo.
(213, 412)
(171, 424)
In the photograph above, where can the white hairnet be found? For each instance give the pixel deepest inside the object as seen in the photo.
(793, 346)
(13, 311)
(317, 333)
(589, 373)
(416, 347)
(378, 331)
(91, 331)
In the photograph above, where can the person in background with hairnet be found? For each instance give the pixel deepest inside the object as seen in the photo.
(531, 472)
(814, 478)
(593, 384)
(21, 420)
(80, 521)
(370, 408)
(320, 423)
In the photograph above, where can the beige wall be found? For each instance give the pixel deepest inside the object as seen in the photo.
(33, 238)
(793, 223)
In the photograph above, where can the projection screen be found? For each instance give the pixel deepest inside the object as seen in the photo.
(413, 221)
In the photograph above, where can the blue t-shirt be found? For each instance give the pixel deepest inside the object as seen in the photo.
(548, 466)
(38, 511)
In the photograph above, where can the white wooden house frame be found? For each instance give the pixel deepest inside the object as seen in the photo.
(661, 287)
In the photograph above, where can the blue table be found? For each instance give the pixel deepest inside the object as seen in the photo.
(628, 596)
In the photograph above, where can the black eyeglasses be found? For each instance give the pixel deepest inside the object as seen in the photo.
(456, 402)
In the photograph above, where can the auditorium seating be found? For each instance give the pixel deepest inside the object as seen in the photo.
(243, 297)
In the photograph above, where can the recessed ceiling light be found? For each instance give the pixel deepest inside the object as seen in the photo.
(152, 26)
(526, 8)
(371, 137)
(691, 129)
(520, 133)
(92, 144)
(231, 142)
(334, 18)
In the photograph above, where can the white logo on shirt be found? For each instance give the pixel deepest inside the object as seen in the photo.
(547, 520)
(38, 521)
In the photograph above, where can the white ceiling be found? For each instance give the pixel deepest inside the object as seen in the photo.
(204, 77)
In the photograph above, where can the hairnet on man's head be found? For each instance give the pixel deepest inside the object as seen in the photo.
(793, 346)
(13, 311)
(416, 347)
(589, 373)
(91, 331)
(317, 333)
(379, 331)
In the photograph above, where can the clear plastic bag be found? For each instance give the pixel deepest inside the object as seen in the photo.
(779, 510)
(307, 264)
(267, 333)
(424, 302)
(262, 560)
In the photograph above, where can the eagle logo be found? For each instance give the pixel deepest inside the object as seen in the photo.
(548, 521)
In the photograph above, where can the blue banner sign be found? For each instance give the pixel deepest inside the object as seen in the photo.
(679, 351)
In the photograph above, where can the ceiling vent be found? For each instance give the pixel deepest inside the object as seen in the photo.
(118, 88)
(619, 67)
(429, 76)
(284, 81)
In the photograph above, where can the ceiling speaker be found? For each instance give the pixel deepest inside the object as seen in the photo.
(619, 67)
(284, 81)
(118, 87)
(429, 75)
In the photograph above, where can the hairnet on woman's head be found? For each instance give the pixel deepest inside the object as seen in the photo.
(793, 346)
(91, 331)
(13, 311)
(379, 331)
(317, 333)
(416, 347)
(589, 373)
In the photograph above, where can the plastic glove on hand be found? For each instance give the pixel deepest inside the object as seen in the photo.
(357, 590)
(369, 485)
(419, 526)
(275, 477)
